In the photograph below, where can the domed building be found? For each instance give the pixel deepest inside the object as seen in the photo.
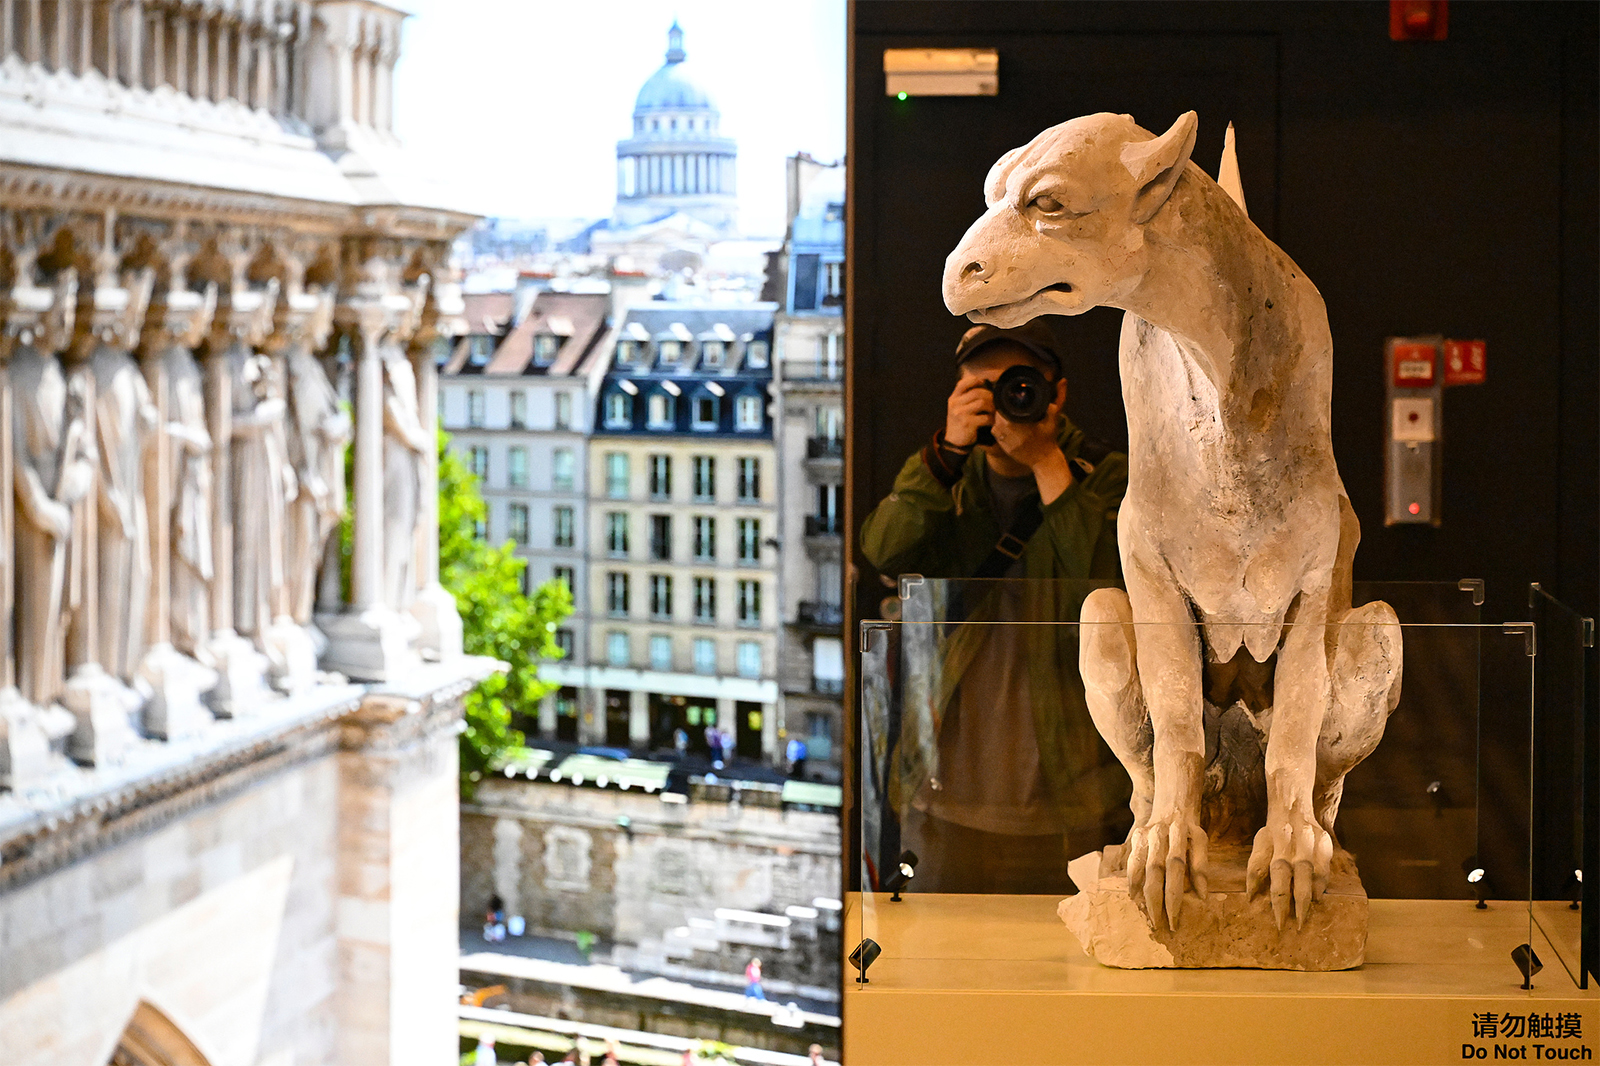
(676, 161)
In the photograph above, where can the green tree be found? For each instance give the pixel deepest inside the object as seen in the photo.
(497, 619)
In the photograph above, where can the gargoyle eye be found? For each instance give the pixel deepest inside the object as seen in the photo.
(1046, 203)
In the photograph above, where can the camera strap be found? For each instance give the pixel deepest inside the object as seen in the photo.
(1014, 541)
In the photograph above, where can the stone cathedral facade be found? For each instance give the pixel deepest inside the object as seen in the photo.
(227, 745)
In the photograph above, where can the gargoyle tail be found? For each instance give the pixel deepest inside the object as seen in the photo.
(1228, 171)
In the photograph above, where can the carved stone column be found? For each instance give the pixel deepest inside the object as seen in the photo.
(178, 683)
(434, 607)
(370, 641)
(240, 667)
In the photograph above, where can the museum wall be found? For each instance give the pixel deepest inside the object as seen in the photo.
(1432, 187)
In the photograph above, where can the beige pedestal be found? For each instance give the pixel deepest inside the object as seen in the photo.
(986, 979)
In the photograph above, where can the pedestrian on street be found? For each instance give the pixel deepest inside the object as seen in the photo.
(797, 758)
(612, 1051)
(752, 981)
(814, 1055)
(680, 741)
(536, 1059)
(485, 1055)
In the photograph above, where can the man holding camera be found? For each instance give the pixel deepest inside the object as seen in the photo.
(1005, 775)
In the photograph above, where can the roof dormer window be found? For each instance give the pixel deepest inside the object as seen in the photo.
(713, 354)
(479, 349)
(755, 355)
(545, 346)
(669, 352)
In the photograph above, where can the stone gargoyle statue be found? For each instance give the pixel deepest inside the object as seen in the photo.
(1232, 679)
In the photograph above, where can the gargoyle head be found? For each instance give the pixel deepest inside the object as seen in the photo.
(1064, 231)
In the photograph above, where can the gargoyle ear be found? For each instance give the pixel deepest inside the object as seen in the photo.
(1156, 165)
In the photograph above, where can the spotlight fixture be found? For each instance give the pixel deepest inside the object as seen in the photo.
(1527, 962)
(1577, 890)
(898, 880)
(1478, 879)
(865, 954)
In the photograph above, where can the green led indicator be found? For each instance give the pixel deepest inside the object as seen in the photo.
(901, 95)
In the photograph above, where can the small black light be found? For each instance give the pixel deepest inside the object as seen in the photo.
(898, 880)
(1527, 962)
(865, 954)
(1478, 878)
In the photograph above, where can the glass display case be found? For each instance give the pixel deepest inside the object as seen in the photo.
(985, 791)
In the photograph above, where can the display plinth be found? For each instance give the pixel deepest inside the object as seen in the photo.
(1223, 930)
(985, 979)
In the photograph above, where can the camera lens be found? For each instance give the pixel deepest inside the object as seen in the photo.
(1022, 394)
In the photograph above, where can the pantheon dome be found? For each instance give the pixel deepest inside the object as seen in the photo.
(676, 160)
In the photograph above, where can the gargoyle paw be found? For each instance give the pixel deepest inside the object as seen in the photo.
(1291, 859)
(1168, 855)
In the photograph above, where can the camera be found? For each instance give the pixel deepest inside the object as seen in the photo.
(1022, 394)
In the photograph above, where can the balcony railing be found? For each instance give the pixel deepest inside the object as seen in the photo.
(818, 525)
(813, 369)
(817, 613)
(824, 448)
(828, 686)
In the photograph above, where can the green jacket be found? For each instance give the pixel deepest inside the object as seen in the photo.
(945, 531)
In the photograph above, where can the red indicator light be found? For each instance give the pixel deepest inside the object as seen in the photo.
(1415, 508)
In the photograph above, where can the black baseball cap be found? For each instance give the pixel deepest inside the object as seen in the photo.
(1035, 336)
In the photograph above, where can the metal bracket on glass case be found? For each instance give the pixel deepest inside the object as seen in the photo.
(1473, 585)
(1530, 641)
(865, 954)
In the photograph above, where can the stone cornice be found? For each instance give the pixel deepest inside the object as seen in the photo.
(23, 186)
(377, 720)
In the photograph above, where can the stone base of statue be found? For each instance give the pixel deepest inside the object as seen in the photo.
(241, 675)
(24, 743)
(178, 687)
(435, 610)
(1223, 930)
(105, 710)
(372, 645)
(292, 653)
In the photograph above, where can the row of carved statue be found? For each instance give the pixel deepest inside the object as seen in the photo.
(179, 474)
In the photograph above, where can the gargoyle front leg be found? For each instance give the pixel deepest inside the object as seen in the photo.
(1169, 851)
(1293, 853)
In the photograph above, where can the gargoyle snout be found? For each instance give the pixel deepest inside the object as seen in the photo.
(974, 271)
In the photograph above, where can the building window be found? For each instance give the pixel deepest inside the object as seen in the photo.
(705, 538)
(617, 595)
(517, 522)
(475, 407)
(747, 413)
(755, 355)
(661, 653)
(617, 534)
(663, 411)
(669, 353)
(619, 410)
(545, 346)
(705, 655)
(661, 537)
(517, 467)
(749, 480)
(563, 470)
(830, 509)
(660, 596)
(705, 599)
(749, 540)
(519, 410)
(563, 410)
(705, 479)
(617, 651)
(749, 659)
(713, 354)
(830, 422)
(617, 475)
(819, 724)
(480, 529)
(627, 353)
(479, 349)
(705, 412)
(563, 638)
(563, 574)
(562, 533)
(832, 282)
(660, 477)
(749, 603)
(478, 460)
(524, 579)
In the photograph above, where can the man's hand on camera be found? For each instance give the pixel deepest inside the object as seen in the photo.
(970, 407)
(1034, 445)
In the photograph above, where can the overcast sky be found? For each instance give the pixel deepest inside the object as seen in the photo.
(519, 103)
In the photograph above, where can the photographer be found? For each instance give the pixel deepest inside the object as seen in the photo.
(1005, 775)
